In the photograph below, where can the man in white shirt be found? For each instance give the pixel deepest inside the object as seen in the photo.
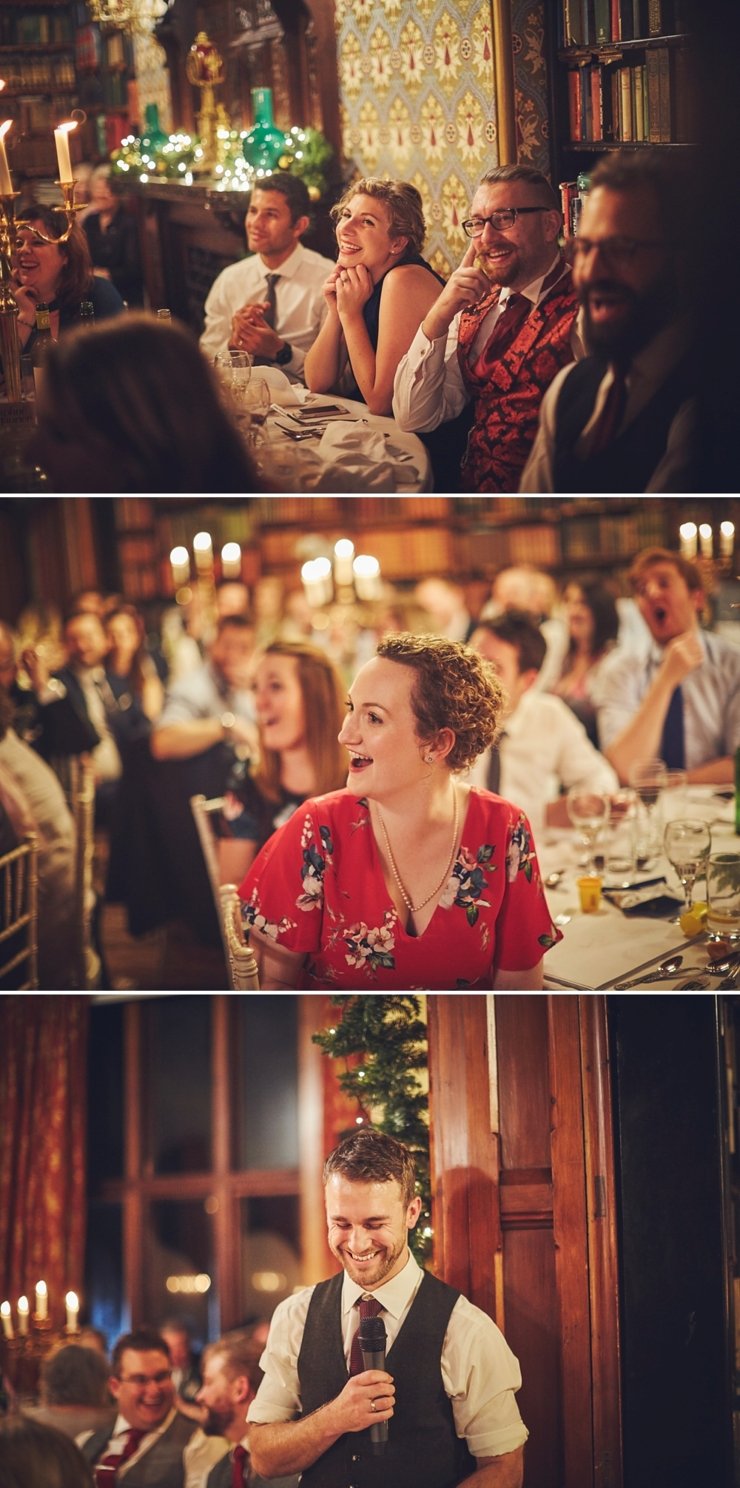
(145, 1442)
(218, 1455)
(680, 702)
(271, 304)
(502, 327)
(544, 748)
(448, 1393)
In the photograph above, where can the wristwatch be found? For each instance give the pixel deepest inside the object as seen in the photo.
(285, 355)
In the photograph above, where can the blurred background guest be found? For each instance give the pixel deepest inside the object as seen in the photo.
(134, 406)
(113, 238)
(299, 697)
(131, 671)
(38, 1455)
(59, 275)
(186, 1376)
(593, 626)
(74, 1390)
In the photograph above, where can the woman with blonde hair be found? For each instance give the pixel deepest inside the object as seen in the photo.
(299, 697)
(407, 878)
(377, 294)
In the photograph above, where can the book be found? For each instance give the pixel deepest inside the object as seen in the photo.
(602, 22)
(664, 93)
(597, 103)
(615, 21)
(653, 95)
(638, 81)
(573, 24)
(575, 117)
(626, 131)
(626, 20)
(586, 108)
(657, 18)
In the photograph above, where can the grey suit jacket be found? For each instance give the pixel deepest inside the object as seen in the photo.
(160, 1466)
(220, 1477)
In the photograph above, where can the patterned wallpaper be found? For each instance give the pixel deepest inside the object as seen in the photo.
(417, 101)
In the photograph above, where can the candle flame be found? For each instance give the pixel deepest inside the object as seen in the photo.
(70, 124)
(41, 1289)
(23, 1304)
(5, 1309)
(72, 1301)
(5, 127)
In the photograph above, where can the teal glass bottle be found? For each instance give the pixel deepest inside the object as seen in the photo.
(264, 143)
(154, 135)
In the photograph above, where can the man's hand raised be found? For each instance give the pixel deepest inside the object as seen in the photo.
(465, 286)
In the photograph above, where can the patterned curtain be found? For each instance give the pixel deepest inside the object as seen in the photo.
(43, 1077)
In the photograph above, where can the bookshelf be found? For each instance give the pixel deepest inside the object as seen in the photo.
(460, 537)
(623, 76)
(37, 65)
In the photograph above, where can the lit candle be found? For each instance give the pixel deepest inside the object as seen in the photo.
(705, 540)
(42, 1300)
(7, 1320)
(314, 579)
(687, 533)
(366, 571)
(61, 140)
(726, 539)
(180, 565)
(203, 551)
(322, 573)
(344, 552)
(73, 1311)
(6, 185)
(23, 1315)
(231, 560)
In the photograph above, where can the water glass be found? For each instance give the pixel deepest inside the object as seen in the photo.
(687, 846)
(648, 779)
(621, 837)
(258, 399)
(589, 813)
(723, 896)
(674, 797)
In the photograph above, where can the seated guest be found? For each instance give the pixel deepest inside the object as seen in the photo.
(32, 1453)
(232, 597)
(299, 697)
(376, 294)
(593, 627)
(131, 671)
(231, 1378)
(681, 702)
(74, 1390)
(186, 1375)
(270, 304)
(213, 703)
(45, 717)
(85, 683)
(34, 801)
(59, 275)
(113, 239)
(521, 586)
(623, 418)
(543, 749)
(147, 1433)
(501, 328)
(408, 877)
(133, 406)
(443, 604)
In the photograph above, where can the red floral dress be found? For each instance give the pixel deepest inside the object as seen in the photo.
(317, 888)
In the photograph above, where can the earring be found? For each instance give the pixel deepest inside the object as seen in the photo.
(428, 759)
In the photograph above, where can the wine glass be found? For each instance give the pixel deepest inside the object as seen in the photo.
(648, 779)
(589, 813)
(687, 844)
(258, 399)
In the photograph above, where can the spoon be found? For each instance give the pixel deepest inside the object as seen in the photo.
(666, 968)
(722, 964)
(553, 879)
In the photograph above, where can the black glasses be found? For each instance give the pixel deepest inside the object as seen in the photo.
(142, 1380)
(612, 250)
(501, 220)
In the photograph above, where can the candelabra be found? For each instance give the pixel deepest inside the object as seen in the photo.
(24, 1348)
(9, 229)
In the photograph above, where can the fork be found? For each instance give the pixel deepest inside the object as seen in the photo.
(693, 985)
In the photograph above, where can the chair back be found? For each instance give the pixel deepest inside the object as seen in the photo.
(77, 777)
(240, 959)
(19, 916)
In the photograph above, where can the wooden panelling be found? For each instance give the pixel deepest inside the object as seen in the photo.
(532, 1332)
(524, 1094)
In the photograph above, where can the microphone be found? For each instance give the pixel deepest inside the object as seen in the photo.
(372, 1339)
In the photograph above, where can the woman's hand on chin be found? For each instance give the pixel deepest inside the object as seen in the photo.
(354, 288)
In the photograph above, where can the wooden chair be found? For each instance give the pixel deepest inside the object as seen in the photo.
(19, 915)
(241, 967)
(76, 774)
(241, 964)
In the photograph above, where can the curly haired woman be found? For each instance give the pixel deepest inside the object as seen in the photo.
(408, 878)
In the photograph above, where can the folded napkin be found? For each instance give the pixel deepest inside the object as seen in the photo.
(282, 390)
(354, 456)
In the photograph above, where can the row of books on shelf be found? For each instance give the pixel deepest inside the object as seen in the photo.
(597, 23)
(21, 26)
(648, 101)
(354, 511)
(32, 70)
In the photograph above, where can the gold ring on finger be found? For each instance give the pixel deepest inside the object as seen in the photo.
(373, 1406)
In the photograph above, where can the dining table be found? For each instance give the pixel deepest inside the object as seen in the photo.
(340, 446)
(605, 949)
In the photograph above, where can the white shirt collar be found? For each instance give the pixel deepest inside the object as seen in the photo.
(395, 1294)
(289, 267)
(531, 291)
(122, 1425)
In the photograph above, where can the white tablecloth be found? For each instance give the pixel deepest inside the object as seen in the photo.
(406, 458)
(599, 949)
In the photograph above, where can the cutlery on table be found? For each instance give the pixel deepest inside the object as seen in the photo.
(665, 969)
(696, 984)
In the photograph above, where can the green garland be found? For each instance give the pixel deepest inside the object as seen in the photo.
(158, 157)
(391, 1037)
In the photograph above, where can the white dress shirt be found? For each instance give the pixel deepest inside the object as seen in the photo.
(545, 748)
(479, 1372)
(300, 304)
(119, 1437)
(711, 698)
(428, 389)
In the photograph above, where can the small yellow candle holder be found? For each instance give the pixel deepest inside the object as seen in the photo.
(10, 351)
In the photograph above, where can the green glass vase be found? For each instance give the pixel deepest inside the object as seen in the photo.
(265, 143)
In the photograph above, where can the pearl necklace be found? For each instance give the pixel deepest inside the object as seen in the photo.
(414, 908)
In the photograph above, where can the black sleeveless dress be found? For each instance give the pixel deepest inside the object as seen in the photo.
(371, 316)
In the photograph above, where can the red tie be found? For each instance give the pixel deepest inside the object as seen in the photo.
(508, 324)
(238, 1467)
(607, 425)
(106, 1470)
(369, 1307)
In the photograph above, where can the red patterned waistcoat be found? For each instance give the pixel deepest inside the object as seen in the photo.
(508, 394)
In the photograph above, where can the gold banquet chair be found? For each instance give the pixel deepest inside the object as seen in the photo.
(241, 966)
(19, 915)
(77, 777)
